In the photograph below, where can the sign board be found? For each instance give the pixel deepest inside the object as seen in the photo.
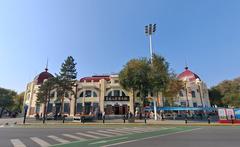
(237, 113)
(230, 114)
(116, 98)
(222, 114)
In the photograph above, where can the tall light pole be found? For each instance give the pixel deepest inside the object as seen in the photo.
(149, 30)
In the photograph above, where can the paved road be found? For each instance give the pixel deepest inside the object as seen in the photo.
(121, 136)
(204, 137)
(35, 137)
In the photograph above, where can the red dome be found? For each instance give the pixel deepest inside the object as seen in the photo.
(42, 76)
(189, 75)
(95, 78)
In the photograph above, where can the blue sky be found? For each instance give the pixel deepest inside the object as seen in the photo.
(102, 35)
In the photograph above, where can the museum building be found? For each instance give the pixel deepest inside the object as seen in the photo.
(103, 93)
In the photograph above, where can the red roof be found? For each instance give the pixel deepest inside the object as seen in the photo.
(42, 76)
(188, 75)
(95, 78)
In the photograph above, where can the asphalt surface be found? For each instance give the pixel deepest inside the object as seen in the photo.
(218, 136)
(204, 137)
(27, 137)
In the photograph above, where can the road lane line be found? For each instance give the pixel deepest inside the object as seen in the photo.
(40, 142)
(58, 139)
(109, 132)
(88, 135)
(17, 143)
(73, 137)
(119, 143)
(101, 134)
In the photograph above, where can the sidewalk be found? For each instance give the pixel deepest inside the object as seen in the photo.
(121, 122)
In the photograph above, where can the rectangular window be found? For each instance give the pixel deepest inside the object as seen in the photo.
(181, 94)
(195, 105)
(183, 103)
(79, 107)
(66, 108)
(193, 94)
(49, 107)
(37, 108)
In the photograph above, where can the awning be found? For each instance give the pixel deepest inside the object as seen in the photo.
(181, 108)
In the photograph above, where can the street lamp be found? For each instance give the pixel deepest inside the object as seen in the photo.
(149, 30)
(198, 82)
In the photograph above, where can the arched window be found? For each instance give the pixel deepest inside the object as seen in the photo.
(88, 93)
(81, 94)
(116, 93)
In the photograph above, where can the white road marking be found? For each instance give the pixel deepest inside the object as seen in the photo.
(109, 132)
(88, 135)
(73, 137)
(101, 134)
(105, 141)
(40, 142)
(1, 126)
(17, 143)
(58, 139)
(118, 131)
(151, 137)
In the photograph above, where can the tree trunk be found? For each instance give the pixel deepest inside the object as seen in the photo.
(62, 106)
(2, 112)
(44, 112)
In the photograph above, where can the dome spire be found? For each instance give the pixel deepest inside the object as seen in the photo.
(186, 65)
(46, 69)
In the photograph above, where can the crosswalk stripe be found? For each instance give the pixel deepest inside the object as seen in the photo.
(73, 137)
(58, 139)
(109, 132)
(133, 131)
(101, 134)
(40, 142)
(17, 143)
(118, 131)
(88, 135)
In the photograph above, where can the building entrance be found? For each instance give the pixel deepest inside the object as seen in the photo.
(116, 109)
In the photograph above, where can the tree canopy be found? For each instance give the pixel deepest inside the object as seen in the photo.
(66, 79)
(146, 77)
(6, 99)
(227, 93)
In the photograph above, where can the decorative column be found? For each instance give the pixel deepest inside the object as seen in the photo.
(72, 107)
(102, 92)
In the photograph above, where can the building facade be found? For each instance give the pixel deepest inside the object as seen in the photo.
(103, 93)
(194, 92)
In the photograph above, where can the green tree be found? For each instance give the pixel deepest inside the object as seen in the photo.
(18, 102)
(43, 95)
(159, 75)
(226, 93)
(66, 80)
(216, 97)
(145, 77)
(6, 99)
(134, 76)
(173, 88)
